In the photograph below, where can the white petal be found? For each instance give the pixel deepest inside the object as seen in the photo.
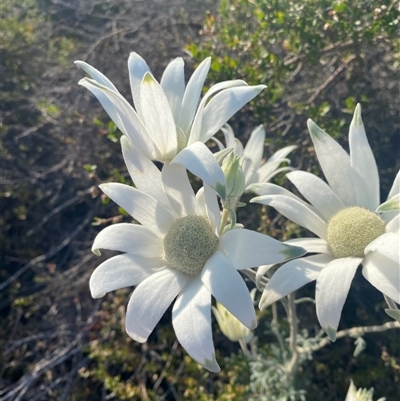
(317, 192)
(192, 94)
(392, 204)
(296, 211)
(383, 274)
(96, 75)
(260, 274)
(335, 164)
(393, 226)
(291, 276)
(395, 187)
(191, 318)
(230, 139)
(394, 314)
(158, 118)
(250, 175)
(196, 131)
(178, 189)
(201, 200)
(268, 168)
(137, 69)
(333, 285)
(199, 160)
(247, 248)
(223, 106)
(270, 176)
(266, 188)
(228, 287)
(220, 145)
(121, 271)
(132, 238)
(281, 153)
(128, 121)
(362, 159)
(387, 245)
(254, 149)
(173, 85)
(145, 175)
(314, 245)
(150, 300)
(212, 207)
(142, 207)
(107, 104)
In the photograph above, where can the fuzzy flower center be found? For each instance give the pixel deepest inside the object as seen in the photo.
(189, 243)
(351, 230)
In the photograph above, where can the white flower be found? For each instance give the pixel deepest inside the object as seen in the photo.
(178, 252)
(170, 117)
(342, 214)
(362, 394)
(255, 168)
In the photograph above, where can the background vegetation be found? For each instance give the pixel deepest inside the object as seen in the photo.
(318, 58)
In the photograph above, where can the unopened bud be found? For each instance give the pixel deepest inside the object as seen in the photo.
(230, 326)
(235, 178)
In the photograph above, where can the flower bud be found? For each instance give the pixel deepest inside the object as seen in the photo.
(235, 178)
(230, 326)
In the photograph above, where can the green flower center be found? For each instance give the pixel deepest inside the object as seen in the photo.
(351, 230)
(189, 243)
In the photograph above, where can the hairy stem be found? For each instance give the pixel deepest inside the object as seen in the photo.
(291, 367)
(353, 332)
(224, 219)
(275, 328)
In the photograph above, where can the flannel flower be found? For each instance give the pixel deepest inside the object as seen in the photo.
(178, 251)
(254, 167)
(342, 214)
(169, 121)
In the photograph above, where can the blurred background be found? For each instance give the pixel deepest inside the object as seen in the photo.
(319, 59)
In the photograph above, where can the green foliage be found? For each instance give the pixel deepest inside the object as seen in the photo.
(288, 45)
(131, 371)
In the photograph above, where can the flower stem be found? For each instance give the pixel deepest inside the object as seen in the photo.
(275, 328)
(291, 367)
(353, 332)
(224, 219)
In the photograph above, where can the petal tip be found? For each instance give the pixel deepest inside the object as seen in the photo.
(331, 333)
(291, 251)
(393, 313)
(147, 78)
(253, 324)
(97, 295)
(264, 303)
(314, 129)
(96, 252)
(136, 337)
(211, 365)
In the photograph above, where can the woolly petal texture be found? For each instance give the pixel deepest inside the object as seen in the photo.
(353, 180)
(169, 116)
(170, 199)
